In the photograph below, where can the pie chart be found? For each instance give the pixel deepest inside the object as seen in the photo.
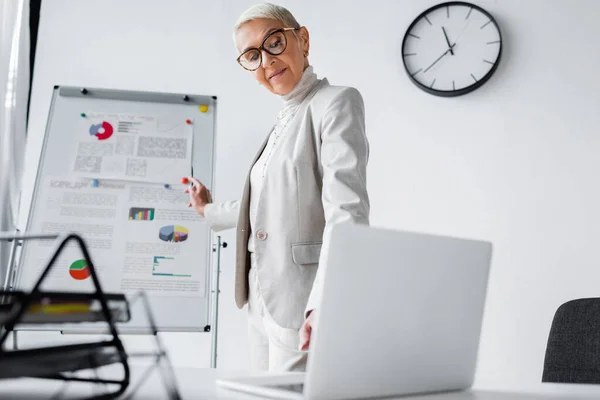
(79, 270)
(102, 131)
(173, 233)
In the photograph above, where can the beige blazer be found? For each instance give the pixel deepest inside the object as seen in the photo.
(316, 178)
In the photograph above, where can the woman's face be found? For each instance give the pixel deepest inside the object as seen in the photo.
(280, 73)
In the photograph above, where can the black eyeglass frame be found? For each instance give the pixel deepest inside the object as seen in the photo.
(261, 47)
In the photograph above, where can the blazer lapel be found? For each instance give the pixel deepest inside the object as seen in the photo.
(244, 220)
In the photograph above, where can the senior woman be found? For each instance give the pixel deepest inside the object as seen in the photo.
(309, 174)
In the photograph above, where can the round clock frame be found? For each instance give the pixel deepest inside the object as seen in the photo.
(463, 90)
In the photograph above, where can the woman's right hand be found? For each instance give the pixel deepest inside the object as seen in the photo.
(199, 195)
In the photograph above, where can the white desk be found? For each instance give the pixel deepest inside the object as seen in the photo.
(195, 383)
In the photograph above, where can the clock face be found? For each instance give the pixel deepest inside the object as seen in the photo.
(452, 49)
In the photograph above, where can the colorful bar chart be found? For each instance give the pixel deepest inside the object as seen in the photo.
(141, 214)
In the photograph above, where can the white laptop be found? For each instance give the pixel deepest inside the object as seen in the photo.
(400, 314)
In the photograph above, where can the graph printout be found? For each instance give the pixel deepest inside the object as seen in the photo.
(141, 237)
(132, 148)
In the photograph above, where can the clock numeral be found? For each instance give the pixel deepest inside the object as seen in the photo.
(494, 42)
(409, 54)
(413, 35)
(486, 24)
(447, 11)
(427, 19)
(469, 14)
(473, 76)
(414, 73)
(432, 83)
(453, 86)
(489, 62)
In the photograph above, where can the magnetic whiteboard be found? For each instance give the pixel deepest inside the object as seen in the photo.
(141, 236)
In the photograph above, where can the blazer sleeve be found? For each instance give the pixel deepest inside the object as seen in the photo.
(221, 216)
(344, 157)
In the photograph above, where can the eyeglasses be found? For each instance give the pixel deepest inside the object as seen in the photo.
(274, 44)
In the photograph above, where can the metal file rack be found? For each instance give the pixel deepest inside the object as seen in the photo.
(59, 362)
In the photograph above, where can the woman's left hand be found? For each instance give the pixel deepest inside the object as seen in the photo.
(306, 330)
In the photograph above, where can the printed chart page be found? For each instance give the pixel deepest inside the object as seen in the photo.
(141, 237)
(132, 148)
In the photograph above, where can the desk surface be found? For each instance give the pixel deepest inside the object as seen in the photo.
(197, 383)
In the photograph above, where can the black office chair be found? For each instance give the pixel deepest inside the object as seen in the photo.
(573, 349)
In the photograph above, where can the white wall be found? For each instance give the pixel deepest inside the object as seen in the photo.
(514, 162)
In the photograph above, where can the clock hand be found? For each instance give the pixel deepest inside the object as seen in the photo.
(448, 41)
(439, 58)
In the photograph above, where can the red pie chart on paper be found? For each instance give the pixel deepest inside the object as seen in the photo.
(79, 270)
(102, 131)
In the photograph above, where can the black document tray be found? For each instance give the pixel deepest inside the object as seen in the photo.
(63, 307)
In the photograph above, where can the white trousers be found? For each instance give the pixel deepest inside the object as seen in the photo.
(272, 348)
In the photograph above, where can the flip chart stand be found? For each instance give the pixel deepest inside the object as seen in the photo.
(11, 274)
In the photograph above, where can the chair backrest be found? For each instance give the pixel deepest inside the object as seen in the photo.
(573, 349)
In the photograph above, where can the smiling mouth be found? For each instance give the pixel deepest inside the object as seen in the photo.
(277, 73)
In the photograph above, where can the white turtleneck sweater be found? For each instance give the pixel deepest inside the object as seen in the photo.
(291, 102)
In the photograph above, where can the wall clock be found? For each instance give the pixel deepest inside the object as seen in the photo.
(452, 49)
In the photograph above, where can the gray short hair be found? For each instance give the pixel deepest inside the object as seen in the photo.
(269, 11)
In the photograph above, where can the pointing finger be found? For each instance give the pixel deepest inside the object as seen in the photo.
(196, 182)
